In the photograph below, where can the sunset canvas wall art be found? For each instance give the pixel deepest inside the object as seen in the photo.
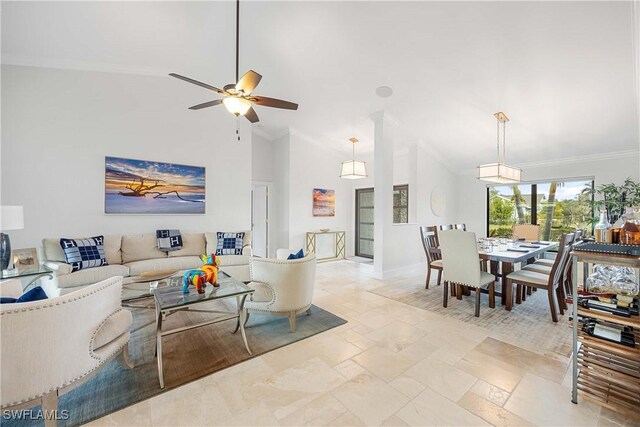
(147, 187)
(324, 202)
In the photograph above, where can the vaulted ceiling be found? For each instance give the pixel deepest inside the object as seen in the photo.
(563, 71)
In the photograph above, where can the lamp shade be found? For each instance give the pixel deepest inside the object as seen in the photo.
(11, 218)
(237, 106)
(499, 173)
(353, 169)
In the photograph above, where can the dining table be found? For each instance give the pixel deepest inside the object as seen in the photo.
(508, 254)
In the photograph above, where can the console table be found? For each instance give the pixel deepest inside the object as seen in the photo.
(327, 245)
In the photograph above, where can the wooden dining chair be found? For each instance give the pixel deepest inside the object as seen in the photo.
(462, 227)
(429, 237)
(545, 266)
(550, 282)
(461, 268)
(446, 227)
(528, 232)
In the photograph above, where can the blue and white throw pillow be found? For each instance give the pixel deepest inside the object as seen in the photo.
(169, 240)
(230, 243)
(84, 253)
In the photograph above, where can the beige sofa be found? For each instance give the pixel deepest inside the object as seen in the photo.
(131, 255)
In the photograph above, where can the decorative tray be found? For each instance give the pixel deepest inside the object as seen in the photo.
(608, 248)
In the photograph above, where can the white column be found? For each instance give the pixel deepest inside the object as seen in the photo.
(384, 129)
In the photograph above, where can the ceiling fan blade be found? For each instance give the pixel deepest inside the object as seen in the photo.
(206, 104)
(251, 115)
(263, 101)
(248, 82)
(195, 82)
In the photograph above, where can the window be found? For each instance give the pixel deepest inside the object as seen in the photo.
(400, 204)
(557, 206)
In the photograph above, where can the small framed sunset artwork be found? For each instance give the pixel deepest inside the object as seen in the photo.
(324, 202)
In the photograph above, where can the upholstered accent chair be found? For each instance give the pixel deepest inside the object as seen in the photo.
(53, 345)
(528, 232)
(282, 287)
(461, 267)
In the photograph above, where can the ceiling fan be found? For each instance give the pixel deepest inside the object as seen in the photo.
(237, 97)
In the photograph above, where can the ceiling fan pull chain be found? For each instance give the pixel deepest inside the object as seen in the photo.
(237, 128)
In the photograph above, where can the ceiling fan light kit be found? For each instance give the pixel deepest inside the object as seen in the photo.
(237, 96)
(353, 169)
(500, 172)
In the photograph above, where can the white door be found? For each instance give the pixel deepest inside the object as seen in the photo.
(260, 221)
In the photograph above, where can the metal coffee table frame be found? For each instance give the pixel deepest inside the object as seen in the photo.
(240, 294)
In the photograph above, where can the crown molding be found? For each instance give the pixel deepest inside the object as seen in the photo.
(586, 158)
(79, 65)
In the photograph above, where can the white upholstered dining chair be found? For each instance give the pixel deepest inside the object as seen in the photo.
(282, 287)
(53, 345)
(461, 267)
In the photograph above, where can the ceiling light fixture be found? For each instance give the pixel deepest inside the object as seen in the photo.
(500, 172)
(236, 105)
(353, 169)
(384, 91)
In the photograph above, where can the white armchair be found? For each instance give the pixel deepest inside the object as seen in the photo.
(51, 346)
(282, 287)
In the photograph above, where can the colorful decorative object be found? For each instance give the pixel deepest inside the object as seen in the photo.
(324, 202)
(208, 273)
(146, 187)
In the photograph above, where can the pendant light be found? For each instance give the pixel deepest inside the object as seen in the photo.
(500, 172)
(353, 169)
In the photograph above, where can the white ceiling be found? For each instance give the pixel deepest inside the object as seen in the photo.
(562, 71)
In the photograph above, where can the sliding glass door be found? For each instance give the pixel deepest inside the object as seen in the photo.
(557, 206)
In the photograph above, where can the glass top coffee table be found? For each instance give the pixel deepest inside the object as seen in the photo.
(170, 300)
(140, 287)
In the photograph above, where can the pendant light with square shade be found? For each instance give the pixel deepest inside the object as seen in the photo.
(353, 169)
(500, 172)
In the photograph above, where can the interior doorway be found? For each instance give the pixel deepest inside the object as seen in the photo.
(260, 220)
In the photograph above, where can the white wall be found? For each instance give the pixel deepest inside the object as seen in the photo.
(472, 193)
(312, 165)
(280, 198)
(261, 159)
(58, 126)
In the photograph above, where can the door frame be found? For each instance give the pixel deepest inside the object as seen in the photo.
(269, 186)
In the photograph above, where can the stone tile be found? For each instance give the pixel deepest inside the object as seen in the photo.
(432, 409)
(356, 339)
(135, 415)
(534, 393)
(288, 391)
(332, 348)
(396, 335)
(347, 419)
(320, 411)
(493, 394)
(545, 367)
(205, 406)
(407, 386)
(445, 379)
(489, 411)
(349, 369)
(370, 399)
(419, 350)
(394, 420)
(499, 374)
(384, 363)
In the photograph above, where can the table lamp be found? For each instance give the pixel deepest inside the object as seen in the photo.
(11, 218)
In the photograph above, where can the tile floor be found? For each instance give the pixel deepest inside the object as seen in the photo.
(391, 364)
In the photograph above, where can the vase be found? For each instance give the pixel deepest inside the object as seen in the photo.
(630, 230)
